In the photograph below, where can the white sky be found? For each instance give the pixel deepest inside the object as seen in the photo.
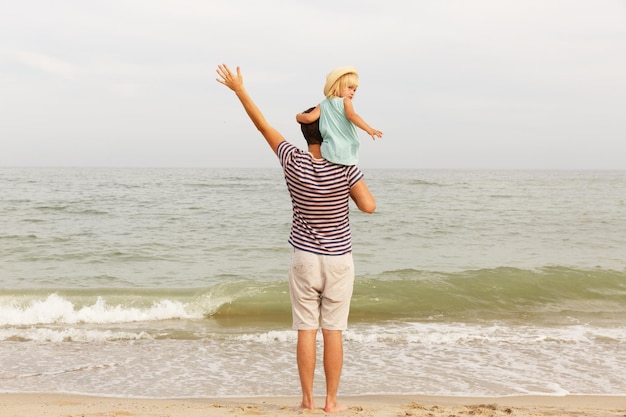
(530, 84)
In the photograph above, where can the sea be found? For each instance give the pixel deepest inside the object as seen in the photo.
(172, 282)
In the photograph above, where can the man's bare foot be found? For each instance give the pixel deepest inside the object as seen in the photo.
(303, 406)
(334, 408)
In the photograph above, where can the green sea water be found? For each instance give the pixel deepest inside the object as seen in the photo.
(468, 283)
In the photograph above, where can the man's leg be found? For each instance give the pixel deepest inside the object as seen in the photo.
(305, 353)
(333, 363)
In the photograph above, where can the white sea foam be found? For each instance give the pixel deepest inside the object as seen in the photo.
(465, 334)
(41, 335)
(59, 310)
(263, 363)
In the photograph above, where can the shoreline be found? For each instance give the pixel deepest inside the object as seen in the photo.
(71, 405)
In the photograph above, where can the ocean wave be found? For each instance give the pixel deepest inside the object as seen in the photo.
(489, 294)
(493, 292)
(55, 309)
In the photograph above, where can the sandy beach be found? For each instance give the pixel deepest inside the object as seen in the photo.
(59, 405)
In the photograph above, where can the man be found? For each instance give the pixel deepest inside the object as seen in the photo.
(321, 275)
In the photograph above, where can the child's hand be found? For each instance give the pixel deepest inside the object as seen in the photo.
(376, 134)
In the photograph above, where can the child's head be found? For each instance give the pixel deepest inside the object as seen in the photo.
(340, 78)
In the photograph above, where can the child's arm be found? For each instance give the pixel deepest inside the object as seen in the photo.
(358, 120)
(310, 117)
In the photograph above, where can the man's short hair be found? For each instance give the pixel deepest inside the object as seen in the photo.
(311, 131)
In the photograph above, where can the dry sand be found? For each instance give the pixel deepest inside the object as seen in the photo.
(58, 405)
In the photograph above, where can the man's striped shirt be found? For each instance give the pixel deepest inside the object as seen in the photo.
(320, 192)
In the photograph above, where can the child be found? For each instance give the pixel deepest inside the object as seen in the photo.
(337, 118)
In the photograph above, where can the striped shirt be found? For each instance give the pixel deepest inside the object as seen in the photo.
(320, 192)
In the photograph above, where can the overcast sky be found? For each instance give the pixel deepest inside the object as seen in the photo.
(526, 84)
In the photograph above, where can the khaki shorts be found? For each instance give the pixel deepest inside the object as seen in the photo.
(320, 288)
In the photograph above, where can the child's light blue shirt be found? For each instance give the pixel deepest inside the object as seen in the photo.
(341, 140)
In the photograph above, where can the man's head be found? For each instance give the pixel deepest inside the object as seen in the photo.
(311, 131)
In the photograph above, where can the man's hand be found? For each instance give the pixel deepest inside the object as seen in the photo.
(235, 83)
(230, 80)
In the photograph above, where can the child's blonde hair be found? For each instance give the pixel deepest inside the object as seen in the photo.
(347, 80)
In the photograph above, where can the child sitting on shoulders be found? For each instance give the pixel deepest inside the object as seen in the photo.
(338, 120)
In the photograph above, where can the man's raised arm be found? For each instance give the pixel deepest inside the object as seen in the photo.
(235, 83)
